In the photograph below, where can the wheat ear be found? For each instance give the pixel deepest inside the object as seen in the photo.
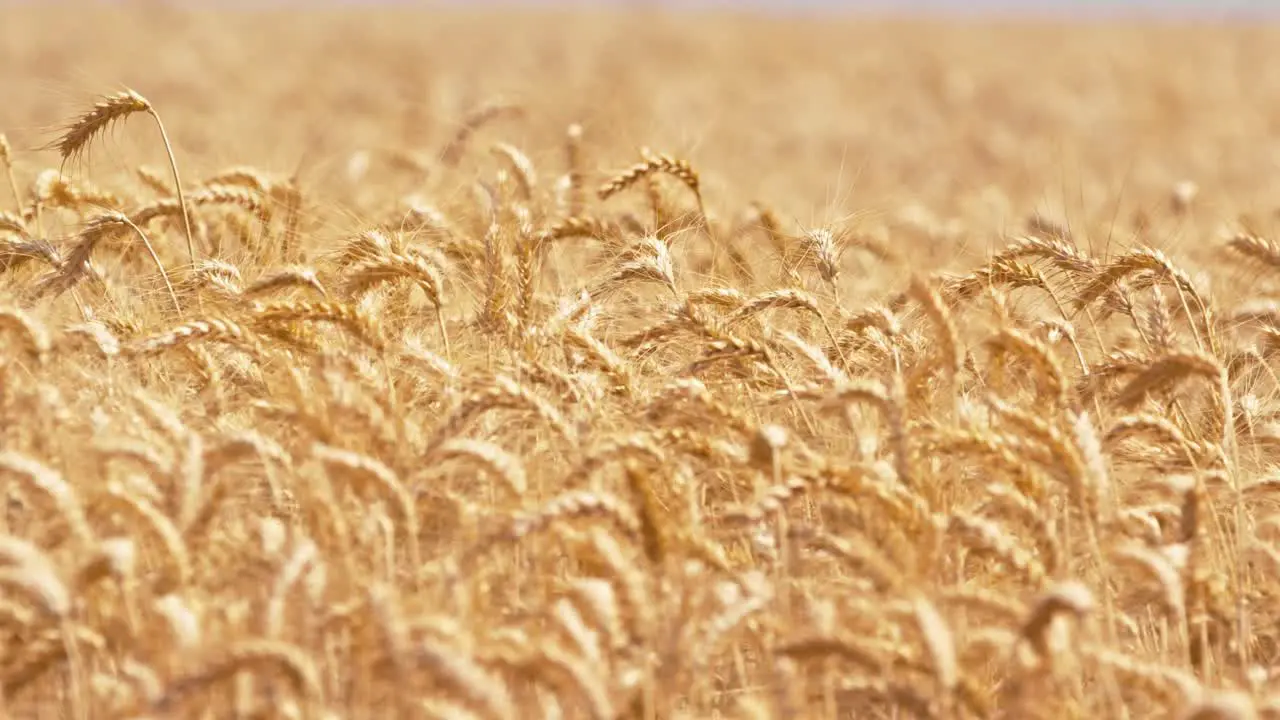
(100, 228)
(37, 338)
(1254, 247)
(13, 223)
(79, 134)
(661, 163)
(153, 181)
(481, 116)
(254, 655)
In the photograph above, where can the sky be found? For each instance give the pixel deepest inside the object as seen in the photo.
(1203, 8)
(1158, 8)
(1207, 9)
(1083, 6)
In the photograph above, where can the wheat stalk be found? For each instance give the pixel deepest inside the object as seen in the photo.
(78, 134)
(97, 230)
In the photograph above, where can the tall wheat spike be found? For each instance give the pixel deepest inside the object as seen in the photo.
(78, 134)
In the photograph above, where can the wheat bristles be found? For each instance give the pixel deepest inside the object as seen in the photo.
(77, 135)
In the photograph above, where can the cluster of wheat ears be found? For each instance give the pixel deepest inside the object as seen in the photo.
(539, 454)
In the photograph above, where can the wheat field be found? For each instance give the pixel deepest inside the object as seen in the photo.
(590, 365)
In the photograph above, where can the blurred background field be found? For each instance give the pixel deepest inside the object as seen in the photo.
(984, 123)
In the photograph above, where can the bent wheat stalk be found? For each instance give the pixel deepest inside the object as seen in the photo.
(103, 227)
(79, 134)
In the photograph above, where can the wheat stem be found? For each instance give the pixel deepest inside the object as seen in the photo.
(177, 185)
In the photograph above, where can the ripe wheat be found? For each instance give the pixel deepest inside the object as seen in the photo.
(853, 420)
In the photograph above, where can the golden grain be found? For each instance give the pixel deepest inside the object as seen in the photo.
(451, 435)
(80, 133)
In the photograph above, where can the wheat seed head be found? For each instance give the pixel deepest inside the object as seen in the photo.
(79, 134)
